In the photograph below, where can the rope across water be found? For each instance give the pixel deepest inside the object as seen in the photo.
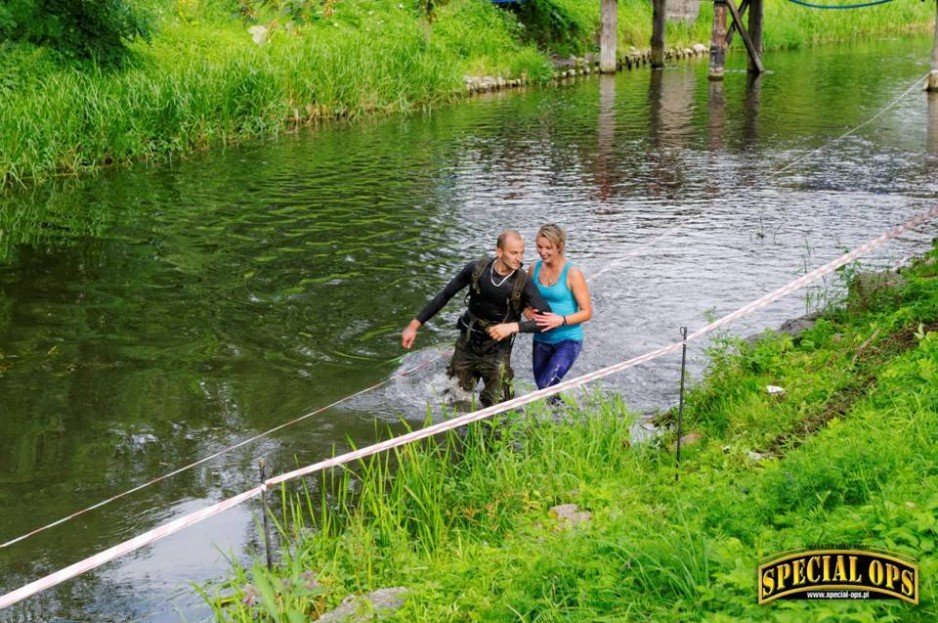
(181, 523)
(648, 243)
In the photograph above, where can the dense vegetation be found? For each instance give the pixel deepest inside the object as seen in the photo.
(164, 77)
(76, 30)
(844, 458)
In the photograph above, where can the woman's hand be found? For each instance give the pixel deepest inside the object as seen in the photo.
(499, 332)
(548, 321)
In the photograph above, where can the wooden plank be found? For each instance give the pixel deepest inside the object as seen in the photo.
(742, 11)
(753, 54)
(755, 31)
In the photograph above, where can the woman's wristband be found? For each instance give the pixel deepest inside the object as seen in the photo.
(564, 323)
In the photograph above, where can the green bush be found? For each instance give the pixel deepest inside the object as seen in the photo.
(552, 26)
(96, 30)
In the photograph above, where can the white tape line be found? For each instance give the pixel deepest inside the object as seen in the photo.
(603, 372)
(609, 266)
(819, 272)
(183, 522)
(126, 547)
(214, 455)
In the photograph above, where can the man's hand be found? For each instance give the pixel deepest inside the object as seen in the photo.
(409, 334)
(499, 332)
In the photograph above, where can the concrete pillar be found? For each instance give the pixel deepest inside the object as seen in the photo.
(718, 40)
(609, 12)
(657, 32)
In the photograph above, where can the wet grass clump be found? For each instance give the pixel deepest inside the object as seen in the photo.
(465, 523)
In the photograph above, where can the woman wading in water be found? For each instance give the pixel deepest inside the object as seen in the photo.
(564, 288)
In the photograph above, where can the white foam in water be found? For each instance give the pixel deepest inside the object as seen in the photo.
(447, 389)
(421, 380)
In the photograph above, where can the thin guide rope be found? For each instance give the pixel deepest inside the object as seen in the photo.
(181, 523)
(637, 251)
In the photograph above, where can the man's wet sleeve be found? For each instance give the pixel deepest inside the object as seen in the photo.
(458, 282)
(532, 298)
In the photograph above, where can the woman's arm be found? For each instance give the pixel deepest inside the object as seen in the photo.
(581, 292)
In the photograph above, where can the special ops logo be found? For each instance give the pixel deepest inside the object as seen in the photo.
(838, 574)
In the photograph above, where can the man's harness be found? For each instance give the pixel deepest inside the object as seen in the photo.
(474, 324)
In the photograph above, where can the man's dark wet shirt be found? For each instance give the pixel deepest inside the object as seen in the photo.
(492, 304)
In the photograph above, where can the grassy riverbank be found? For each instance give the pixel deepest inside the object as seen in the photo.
(844, 458)
(203, 82)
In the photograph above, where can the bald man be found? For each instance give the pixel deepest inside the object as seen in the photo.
(498, 292)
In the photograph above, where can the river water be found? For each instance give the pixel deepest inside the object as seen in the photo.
(152, 316)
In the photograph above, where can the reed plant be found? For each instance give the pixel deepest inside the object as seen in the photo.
(463, 522)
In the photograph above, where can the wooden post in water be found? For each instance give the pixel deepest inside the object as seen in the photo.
(755, 33)
(609, 10)
(933, 76)
(718, 40)
(754, 57)
(657, 33)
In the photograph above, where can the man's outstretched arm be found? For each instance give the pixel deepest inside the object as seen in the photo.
(460, 281)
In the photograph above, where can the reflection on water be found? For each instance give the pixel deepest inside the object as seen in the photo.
(606, 171)
(751, 108)
(151, 317)
(716, 107)
(932, 142)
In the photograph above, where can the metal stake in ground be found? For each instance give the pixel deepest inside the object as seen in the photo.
(262, 465)
(680, 404)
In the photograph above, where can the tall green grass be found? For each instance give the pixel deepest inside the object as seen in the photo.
(203, 82)
(464, 524)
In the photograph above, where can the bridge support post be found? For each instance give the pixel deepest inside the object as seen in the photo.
(755, 33)
(607, 38)
(657, 33)
(933, 76)
(718, 40)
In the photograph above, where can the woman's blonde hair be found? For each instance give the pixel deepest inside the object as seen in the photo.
(555, 235)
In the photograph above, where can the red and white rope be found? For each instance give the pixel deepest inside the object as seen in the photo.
(176, 525)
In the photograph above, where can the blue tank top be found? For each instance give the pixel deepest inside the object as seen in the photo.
(562, 302)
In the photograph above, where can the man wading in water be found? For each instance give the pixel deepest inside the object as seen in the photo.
(499, 291)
